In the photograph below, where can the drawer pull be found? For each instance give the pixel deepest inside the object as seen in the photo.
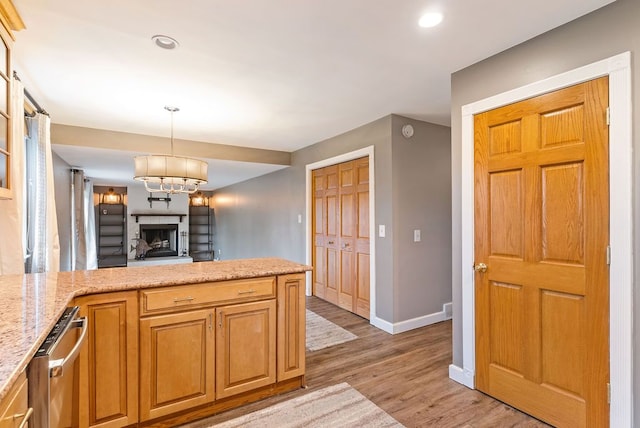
(247, 292)
(25, 417)
(183, 299)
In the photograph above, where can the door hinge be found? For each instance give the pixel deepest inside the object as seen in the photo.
(608, 116)
(609, 393)
(609, 254)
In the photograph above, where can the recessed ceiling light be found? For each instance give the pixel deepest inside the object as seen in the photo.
(430, 19)
(165, 42)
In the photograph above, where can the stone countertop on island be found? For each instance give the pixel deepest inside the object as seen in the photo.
(32, 303)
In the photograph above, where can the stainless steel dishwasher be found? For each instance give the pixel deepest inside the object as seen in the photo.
(53, 374)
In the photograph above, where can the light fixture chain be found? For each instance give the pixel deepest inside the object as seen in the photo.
(172, 111)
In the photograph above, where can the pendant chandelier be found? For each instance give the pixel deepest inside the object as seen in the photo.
(169, 173)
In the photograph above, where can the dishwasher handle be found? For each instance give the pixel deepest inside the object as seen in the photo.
(56, 367)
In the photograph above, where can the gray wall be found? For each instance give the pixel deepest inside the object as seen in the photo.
(259, 218)
(412, 191)
(62, 186)
(606, 32)
(421, 200)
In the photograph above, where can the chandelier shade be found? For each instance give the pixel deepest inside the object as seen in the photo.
(169, 173)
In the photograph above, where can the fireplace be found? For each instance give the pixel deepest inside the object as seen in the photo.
(162, 238)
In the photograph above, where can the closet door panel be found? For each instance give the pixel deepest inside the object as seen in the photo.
(362, 244)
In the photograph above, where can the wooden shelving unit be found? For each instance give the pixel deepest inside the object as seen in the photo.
(201, 233)
(111, 231)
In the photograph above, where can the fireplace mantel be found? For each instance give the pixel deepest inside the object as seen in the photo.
(138, 215)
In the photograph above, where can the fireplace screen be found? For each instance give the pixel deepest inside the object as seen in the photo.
(162, 238)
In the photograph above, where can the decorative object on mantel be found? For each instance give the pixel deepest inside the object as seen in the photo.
(111, 197)
(151, 200)
(172, 174)
(138, 215)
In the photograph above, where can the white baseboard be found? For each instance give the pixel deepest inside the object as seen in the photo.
(459, 375)
(447, 308)
(402, 326)
(382, 324)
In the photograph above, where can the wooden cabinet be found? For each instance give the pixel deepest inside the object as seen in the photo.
(291, 326)
(176, 362)
(14, 410)
(159, 353)
(109, 360)
(205, 342)
(206, 294)
(246, 347)
(6, 44)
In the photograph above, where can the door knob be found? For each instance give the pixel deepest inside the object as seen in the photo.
(480, 267)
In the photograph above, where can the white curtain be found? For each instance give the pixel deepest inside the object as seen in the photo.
(42, 226)
(83, 244)
(12, 252)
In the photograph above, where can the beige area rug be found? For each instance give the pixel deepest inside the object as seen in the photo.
(334, 406)
(322, 333)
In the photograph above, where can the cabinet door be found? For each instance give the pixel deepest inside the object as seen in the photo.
(176, 362)
(14, 410)
(109, 360)
(246, 347)
(291, 326)
(6, 45)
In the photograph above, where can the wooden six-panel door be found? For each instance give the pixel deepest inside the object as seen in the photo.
(542, 229)
(341, 235)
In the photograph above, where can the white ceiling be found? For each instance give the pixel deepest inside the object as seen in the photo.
(273, 74)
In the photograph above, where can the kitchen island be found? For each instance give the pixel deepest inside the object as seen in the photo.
(137, 314)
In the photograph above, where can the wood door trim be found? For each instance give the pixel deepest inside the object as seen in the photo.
(619, 70)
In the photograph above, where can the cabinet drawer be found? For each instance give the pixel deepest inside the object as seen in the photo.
(13, 409)
(170, 299)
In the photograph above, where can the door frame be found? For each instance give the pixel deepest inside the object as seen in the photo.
(356, 154)
(618, 68)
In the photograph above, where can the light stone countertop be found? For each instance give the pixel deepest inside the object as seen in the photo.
(32, 303)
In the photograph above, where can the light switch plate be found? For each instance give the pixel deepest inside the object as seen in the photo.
(416, 235)
(381, 231)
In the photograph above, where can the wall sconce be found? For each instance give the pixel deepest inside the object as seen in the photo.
(111, 197)
(199, 200)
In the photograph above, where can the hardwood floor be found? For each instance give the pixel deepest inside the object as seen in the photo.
(404, 374)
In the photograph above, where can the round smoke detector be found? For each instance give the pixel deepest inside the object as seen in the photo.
(407, 131)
